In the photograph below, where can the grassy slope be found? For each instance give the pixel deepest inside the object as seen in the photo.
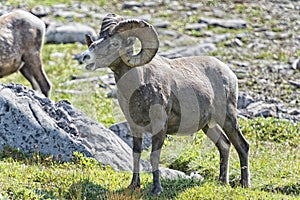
(274, 171)
(274, 157)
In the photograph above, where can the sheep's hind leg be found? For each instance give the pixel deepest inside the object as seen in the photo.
(235, 136)
(32, 70)
(217, 135)
(28, 74)
(157, 143)
(137, 150)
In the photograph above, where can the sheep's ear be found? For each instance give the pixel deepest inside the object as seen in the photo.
(88, 40)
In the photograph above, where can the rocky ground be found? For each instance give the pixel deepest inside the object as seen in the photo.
(260, 40)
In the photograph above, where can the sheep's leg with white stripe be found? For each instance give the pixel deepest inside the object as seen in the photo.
(157, 143)
(137, 151)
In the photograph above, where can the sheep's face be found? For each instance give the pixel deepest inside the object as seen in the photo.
(102, 53)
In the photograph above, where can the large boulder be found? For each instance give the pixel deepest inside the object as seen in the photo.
(68, 33)
(122, 130)
(33, 123)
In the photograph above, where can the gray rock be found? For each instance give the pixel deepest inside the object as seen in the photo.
(159, 23)
(113, 93)
(244, 100)
(59, 6)
(262, 109)
(277, 36)
(151, 3)
(69, 14)
(296, 64)
(195, 26)
(182, 40)
(108, 79)
(216, 38)
(68, 33)
(225, 23)
(242, 64)
(234, 42)
(243, 36)
(146, 17)
(240, 73)
(294, 112)
(122, 130)
(172, 174)
(167, 32)
(131, 4)
(295, 83)
(175, 5)
(97, 15)
(219, 13)
(197, 50)
(40, 11)
(195, 175)
(196, 6)
(33, 123)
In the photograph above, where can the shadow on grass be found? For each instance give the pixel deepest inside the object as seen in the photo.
(290, 189)
(86, 189)
(171, 189)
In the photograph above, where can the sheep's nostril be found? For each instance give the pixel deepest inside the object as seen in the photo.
(86, 57)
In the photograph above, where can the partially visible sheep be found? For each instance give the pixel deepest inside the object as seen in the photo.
(163, 96)
(21, 41)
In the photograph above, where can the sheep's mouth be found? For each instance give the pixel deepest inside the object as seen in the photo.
(90, 66)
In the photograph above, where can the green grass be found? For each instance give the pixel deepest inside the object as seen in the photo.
(274, 162)
(274, 158)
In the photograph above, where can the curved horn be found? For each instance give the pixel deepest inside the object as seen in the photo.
(147, 36)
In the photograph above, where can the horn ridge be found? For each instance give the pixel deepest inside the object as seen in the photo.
(109, 22)
(147, 36)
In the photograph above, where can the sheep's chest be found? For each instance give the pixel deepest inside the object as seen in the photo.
(141, 101)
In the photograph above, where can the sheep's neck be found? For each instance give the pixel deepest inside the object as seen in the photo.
(120, 70)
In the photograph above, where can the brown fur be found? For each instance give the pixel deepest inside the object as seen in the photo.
(21, 42)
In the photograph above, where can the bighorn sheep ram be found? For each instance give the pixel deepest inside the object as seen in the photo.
(21, 41)
(164, 96)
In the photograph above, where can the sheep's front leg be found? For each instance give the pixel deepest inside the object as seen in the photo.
(137, 150)
(157, 142)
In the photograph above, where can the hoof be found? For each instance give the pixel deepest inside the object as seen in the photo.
(134, 186)
(156, 190)
(245, 184)
(224, 182)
